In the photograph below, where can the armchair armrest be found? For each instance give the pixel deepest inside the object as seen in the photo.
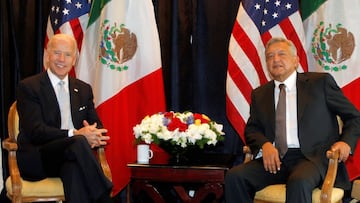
(103, 162)
(330, 177)
(11, 146)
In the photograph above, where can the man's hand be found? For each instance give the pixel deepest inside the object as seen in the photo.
(94, 135)
(343, 148)
(271, 158)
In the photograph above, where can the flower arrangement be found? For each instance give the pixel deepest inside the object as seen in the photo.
(179, 129)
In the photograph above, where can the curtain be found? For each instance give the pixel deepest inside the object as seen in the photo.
(22, 30)
(194, 37)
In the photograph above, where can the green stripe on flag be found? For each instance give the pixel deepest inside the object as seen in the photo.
(309, 6)
(96, 7)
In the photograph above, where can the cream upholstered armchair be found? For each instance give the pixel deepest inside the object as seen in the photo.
(328, 193)
(48, 189)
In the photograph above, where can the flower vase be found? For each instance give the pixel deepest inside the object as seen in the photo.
(179, 158)
(175, 152)
(179, 155)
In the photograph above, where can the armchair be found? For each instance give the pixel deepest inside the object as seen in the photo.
(328, 193)
(48, 189)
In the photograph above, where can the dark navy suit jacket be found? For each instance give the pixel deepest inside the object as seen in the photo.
(319, 101)
(40, 119)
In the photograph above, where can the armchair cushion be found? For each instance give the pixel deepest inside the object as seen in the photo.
(47, 187)
(276, 193)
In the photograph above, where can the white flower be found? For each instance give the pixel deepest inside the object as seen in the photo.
(211, 136)
(147, 138)
(181, 129)
(218, 128)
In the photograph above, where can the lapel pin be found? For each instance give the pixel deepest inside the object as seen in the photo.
(76, 90)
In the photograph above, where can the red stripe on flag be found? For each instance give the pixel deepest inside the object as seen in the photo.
(234, 117)
(265, 37)
(239, 79)
(77, 32)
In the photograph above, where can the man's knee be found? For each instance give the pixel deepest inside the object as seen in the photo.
(234, 174)
(79, 140)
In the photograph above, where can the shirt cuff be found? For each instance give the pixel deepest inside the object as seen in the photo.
(71, 132)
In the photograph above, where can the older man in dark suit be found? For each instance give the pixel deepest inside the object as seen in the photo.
(313, 100)
(59, 127)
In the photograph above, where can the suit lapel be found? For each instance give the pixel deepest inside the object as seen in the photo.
(50, 102)
(74, 100)
(302, 94)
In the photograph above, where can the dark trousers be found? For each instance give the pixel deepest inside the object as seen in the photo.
(73, 160)
(300, 175)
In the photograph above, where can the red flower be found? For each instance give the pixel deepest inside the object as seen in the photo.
(176, 123)
(169, 115)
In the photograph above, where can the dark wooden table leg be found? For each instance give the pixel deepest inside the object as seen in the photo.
(150, 190)
(201, 193)
(208, 188)
(182, 194)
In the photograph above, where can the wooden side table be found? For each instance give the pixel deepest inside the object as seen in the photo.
(210, 180)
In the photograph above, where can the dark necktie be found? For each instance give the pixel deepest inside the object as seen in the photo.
(280, 125)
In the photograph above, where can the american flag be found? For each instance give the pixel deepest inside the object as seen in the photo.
(257, 21)
(69, 17)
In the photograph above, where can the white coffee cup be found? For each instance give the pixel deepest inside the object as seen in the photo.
(144, 154)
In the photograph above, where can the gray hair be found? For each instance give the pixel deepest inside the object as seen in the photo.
(280, 39)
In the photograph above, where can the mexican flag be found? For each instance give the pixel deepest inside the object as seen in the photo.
(120, 58)
(333, 46)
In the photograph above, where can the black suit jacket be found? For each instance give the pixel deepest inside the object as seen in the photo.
(40, 118)
(319, 101)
